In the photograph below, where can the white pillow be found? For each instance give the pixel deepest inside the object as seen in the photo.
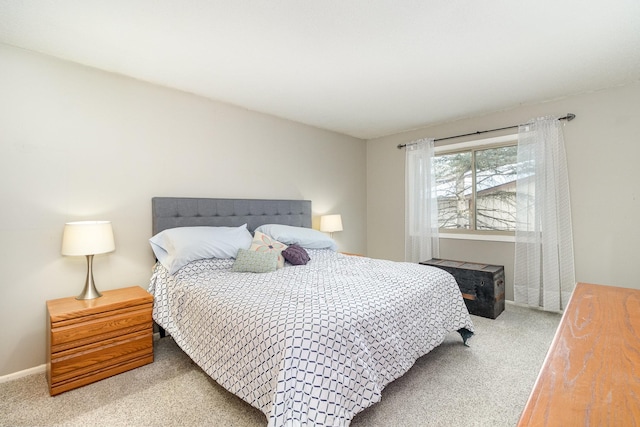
(306, 237)
(176, 247)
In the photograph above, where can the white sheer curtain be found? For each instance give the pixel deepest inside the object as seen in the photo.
(544, 266)
(421, 210)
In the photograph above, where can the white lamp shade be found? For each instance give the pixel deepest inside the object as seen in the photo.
(330, 223)
(87, 238)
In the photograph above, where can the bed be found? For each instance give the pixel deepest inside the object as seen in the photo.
(309, 344)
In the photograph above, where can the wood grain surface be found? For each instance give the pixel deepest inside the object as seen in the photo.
(591, 375)
(71, 309)
(89, 340)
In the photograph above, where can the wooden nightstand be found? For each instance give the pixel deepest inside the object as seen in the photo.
(89, 340)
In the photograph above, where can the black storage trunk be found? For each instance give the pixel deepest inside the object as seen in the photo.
(482, 285)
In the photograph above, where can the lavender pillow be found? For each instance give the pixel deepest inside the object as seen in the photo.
(296, 255)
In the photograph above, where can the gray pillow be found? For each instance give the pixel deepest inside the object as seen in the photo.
(255, 262)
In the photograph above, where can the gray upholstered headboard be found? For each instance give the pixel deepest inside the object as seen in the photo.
(171, 212)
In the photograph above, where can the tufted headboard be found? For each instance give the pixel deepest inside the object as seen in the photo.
(171, 212)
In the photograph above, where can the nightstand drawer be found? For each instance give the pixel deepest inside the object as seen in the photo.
(80, 377)
(93, 357)
(117, 323)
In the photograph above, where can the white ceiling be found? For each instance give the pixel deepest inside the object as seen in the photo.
(365, 68)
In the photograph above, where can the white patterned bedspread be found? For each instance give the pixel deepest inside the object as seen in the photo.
(308, 345)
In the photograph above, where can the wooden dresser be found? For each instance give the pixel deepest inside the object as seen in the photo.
(591, 375)
(89, 340)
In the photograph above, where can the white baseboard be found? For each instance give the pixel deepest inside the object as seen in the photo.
(35, 370)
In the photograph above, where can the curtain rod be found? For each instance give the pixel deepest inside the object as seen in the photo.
(568, 117)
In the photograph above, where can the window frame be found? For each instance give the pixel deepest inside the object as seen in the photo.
(476, 145)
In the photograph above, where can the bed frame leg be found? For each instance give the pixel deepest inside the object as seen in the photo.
(465, 334)
(161, 330)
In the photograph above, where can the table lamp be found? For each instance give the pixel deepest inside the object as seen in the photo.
(330, 223)
(88, 238)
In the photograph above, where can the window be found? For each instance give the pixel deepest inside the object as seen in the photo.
(476, 188)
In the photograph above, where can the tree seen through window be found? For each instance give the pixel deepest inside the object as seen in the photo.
(476, 189)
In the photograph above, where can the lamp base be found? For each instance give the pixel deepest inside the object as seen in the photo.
(90, 291)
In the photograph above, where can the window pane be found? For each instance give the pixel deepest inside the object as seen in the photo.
(496, 188)
(453, 180)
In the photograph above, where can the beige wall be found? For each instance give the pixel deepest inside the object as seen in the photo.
(77, 143)
(603, 148)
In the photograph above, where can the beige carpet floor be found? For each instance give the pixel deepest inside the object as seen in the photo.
(486, 384)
